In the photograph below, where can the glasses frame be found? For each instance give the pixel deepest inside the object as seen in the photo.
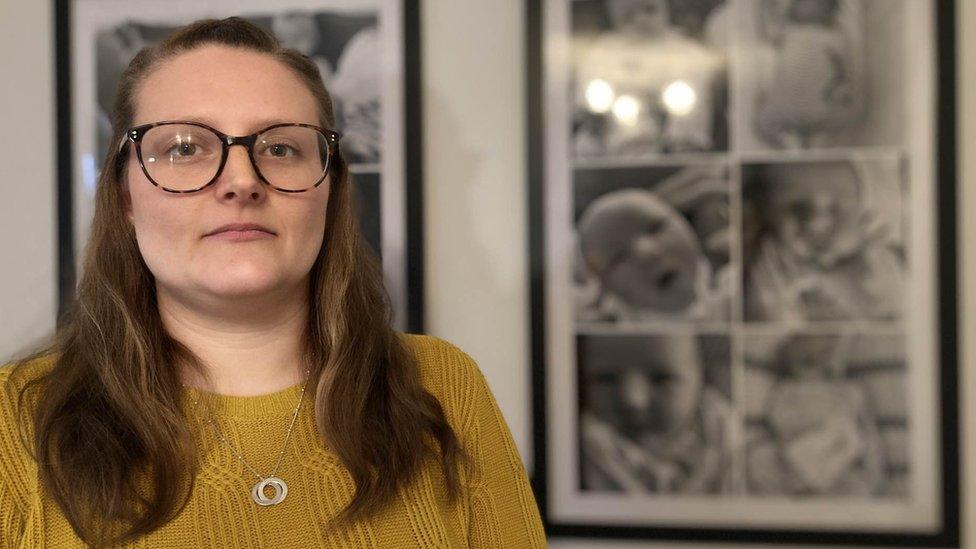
(135, 134)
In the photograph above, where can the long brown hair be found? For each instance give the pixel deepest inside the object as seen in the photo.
(112, 444)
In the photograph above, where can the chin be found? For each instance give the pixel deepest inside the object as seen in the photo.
(242, 280)
(240, 289)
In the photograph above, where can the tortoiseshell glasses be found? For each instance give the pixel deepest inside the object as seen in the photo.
(185, 157)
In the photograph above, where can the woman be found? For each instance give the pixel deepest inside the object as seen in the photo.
(229, 376)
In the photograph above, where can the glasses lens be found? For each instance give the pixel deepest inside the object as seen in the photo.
(181, 157)
(292, 157)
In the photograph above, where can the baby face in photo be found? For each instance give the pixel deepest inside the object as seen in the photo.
(641, 249)
(813, 210)
(657, 381)
(710, 218)
(646, 18)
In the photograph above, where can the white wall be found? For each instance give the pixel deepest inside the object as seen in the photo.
(476, 201)
(475, 192)
(27, 208)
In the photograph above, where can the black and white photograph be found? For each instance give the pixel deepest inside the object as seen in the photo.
(827, 416)
(764, 174)
(369, 208)
(656, 414)
(825, 240)
(819, 74)
(649, 77)
(358, 47)
(653, 244)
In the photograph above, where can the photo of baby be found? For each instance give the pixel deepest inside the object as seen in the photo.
(653, 244)
(819, 74)
(656, 414)
(824, 240)
(368, 206)
(826, 415)
(646, 79)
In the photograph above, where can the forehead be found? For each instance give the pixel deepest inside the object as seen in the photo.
(672, 353)
(837, 182)
(235, 90)
(628, 207)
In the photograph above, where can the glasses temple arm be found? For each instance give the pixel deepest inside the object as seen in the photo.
(122, 142)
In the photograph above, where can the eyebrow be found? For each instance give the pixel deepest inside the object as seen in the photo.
(255, 125)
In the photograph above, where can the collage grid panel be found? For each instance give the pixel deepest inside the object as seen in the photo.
(795, 270)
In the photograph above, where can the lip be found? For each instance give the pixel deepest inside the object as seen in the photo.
(241, 231)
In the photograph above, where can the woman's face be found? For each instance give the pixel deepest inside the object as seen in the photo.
(237, 92)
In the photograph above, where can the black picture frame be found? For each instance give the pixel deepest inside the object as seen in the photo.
(408, 293)
(943, 241)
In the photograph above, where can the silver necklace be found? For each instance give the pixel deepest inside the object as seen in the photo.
(276, 483)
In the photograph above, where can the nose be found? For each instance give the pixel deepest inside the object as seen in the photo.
(238, 180)
(637, 391)
(822, 223)
(821, 226)
(646, 247)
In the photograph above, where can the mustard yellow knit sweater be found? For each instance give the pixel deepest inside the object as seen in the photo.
(496, 510)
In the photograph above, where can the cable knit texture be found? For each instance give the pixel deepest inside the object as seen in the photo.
(496, 508)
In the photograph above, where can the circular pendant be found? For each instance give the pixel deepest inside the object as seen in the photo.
(279, 487)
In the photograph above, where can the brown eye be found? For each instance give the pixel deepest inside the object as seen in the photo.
(279, 150)
(183, 149)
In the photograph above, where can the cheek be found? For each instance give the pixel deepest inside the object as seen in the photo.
(308, 228)
(158, 229)
(311, 235)
(681, 243)
(161, 223)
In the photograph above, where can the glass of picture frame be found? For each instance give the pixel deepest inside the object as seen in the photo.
(743, 270)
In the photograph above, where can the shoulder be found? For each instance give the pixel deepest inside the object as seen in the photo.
(16, 427)
(18, 397)
(16, 376)
(439, 359)
(450, 375)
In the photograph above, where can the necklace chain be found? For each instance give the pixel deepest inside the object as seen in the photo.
(281, 455)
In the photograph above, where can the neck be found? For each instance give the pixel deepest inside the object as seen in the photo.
(247, 346)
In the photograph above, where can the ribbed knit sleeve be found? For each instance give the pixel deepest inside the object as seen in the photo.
(15, 476)
(502, 509)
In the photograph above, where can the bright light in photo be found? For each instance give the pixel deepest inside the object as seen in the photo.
(625, 109)
(599, 96)
(679, 98)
